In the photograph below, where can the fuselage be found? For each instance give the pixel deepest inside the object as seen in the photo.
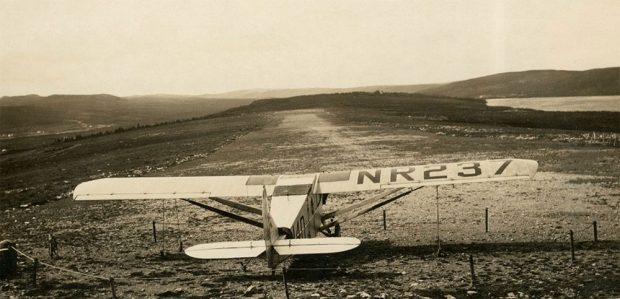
(303, 215)
(295, 210)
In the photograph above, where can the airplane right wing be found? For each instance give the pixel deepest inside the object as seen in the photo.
(426, 175)
(401, 181)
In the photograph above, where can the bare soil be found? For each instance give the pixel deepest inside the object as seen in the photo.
(526, 252)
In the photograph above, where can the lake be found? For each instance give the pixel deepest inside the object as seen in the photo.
(589, 103)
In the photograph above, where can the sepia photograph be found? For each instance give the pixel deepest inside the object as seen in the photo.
(309, 149)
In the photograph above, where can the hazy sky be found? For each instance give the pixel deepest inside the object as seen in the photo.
(195, 47)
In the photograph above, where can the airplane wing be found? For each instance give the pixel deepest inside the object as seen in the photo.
(401, 181)
(426, 175)
(174, 187)
(335, 182)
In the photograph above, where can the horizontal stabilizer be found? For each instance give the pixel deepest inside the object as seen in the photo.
(315, 245)
(227, 250)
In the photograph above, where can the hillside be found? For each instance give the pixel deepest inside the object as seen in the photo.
(33, 115)
(400, 107)
(36, 115)
(294, 92)
(535, 83)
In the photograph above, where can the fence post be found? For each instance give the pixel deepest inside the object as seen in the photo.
(595, 231)
(384, 220)
(285, 282)
(572, 246)
(486, 220)
(8, 260)
(35, 265)
(113, 288)
(154, 232)
(471, 270)
(53, 246)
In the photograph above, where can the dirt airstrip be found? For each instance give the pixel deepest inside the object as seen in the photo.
(525, 253)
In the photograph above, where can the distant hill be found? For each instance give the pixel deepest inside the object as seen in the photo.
(536, 83)
(36, 115)
(401, 109)
(294, 92)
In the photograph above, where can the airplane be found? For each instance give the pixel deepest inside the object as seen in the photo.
(292, 213)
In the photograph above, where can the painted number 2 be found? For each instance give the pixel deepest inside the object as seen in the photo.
(440, 168)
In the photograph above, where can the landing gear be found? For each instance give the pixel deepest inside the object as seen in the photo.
(337, 230)
(329, 233)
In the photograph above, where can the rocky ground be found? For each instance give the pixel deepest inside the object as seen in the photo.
(525, 254)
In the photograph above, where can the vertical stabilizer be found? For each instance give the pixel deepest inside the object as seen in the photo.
(270, 232)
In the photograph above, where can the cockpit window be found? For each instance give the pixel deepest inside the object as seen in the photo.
(292, 190)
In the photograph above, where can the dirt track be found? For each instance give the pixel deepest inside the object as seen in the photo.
(525, 253)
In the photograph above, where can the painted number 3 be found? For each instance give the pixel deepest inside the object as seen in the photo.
(469, 171)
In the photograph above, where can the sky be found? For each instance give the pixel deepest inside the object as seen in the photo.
(196, 47)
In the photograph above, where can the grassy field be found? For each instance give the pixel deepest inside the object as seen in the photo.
(39, 170)
(33, 115)
(403, 109)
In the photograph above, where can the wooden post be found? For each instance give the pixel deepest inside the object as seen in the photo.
(384, 220)
(53, 246)
(154, 232)
(595, 227)
(437, 206)
(8, 260)
(471, 270)
(285, 282)
(572, 246)
(113, 288)
(163, 226)
(35, 265)
(486, 220)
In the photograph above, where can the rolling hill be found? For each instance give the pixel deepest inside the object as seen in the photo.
(535, 83)
(400, 107)
(293, 92)
(36, 115)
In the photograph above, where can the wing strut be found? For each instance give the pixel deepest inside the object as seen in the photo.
(238, 206)
(375, 202)
(225, 214)
(360, 204)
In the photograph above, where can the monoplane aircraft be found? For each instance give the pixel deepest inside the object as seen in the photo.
(293, 220)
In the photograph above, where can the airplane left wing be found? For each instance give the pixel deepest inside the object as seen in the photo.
(174, 187)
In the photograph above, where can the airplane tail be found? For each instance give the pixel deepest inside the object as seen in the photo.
(271, 234)
(249, 249)
(226, 250)
(271, 245)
